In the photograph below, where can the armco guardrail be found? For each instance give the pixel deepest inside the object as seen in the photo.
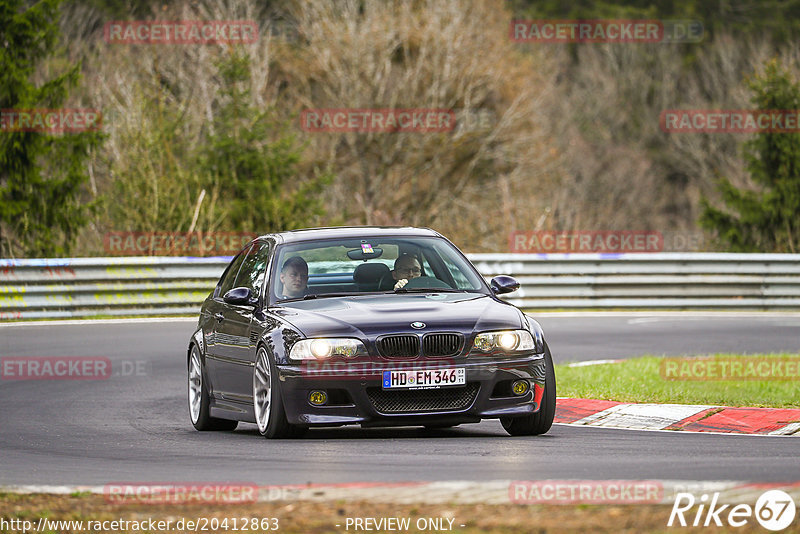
(649, 281)
(79, 287)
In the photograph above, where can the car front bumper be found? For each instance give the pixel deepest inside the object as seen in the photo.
(355, 393)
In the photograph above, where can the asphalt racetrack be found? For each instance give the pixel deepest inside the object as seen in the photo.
(134, 426)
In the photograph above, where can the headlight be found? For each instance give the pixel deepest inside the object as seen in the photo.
(506, 340)
(324, 348)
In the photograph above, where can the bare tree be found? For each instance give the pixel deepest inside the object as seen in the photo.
(468, 182)
(570, 140)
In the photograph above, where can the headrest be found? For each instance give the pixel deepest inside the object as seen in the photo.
(370, 272)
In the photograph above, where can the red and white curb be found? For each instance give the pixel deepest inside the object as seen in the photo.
(471, 492)
(682, 417)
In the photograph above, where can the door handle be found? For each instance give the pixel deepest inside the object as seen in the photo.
(219, 317)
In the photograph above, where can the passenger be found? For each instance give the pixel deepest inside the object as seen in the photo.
(294, 277)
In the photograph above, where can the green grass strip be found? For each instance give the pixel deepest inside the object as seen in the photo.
(647, 379)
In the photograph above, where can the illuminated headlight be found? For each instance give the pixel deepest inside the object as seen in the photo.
(507, 340)
(324, 348)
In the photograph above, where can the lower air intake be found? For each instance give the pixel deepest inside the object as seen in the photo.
(423, 400)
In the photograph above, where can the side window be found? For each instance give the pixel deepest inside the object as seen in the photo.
(427, 270)
(458, 276)
(254, 268)
(226, 284)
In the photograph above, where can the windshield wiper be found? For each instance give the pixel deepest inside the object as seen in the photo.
(312, 296)
(327, 295)
(430, 290)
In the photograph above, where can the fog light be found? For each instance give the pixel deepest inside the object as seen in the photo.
(520, 387)
(317, 398)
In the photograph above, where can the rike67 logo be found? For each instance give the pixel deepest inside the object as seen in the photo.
(774, 510)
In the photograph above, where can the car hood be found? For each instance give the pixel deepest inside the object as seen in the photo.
(368, 316)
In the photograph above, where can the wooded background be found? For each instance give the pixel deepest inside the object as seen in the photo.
(208, 137)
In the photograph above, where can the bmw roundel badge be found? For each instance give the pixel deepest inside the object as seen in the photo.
(417, 325)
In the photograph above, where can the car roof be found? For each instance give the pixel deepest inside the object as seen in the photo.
(351, 232)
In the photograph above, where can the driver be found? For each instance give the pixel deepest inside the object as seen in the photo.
(294, 277)
(406, 267)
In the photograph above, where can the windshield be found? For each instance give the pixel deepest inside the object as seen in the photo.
(314, 269)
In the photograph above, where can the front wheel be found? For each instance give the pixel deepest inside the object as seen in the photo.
(541, 421)
(199, 400)
(267, 402)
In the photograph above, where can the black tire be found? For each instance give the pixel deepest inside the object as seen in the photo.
(204, 421)
(540, 422)
(277, 426)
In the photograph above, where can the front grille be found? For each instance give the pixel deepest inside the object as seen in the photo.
(406, 346)
(442, 345)
(423, 400)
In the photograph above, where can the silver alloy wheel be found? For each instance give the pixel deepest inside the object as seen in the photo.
(195, 385)
(262, 390)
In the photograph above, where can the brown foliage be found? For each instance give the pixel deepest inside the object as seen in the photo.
(572, 139)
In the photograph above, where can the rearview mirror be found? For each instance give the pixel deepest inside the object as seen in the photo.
(365, 253)
(504, 284)
(238, 296)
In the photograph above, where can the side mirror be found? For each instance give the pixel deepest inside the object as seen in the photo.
(239, 296)
(504, 284)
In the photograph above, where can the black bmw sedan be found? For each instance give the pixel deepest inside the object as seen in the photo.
(369, 326)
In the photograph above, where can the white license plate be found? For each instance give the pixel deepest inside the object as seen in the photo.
(424, 378)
